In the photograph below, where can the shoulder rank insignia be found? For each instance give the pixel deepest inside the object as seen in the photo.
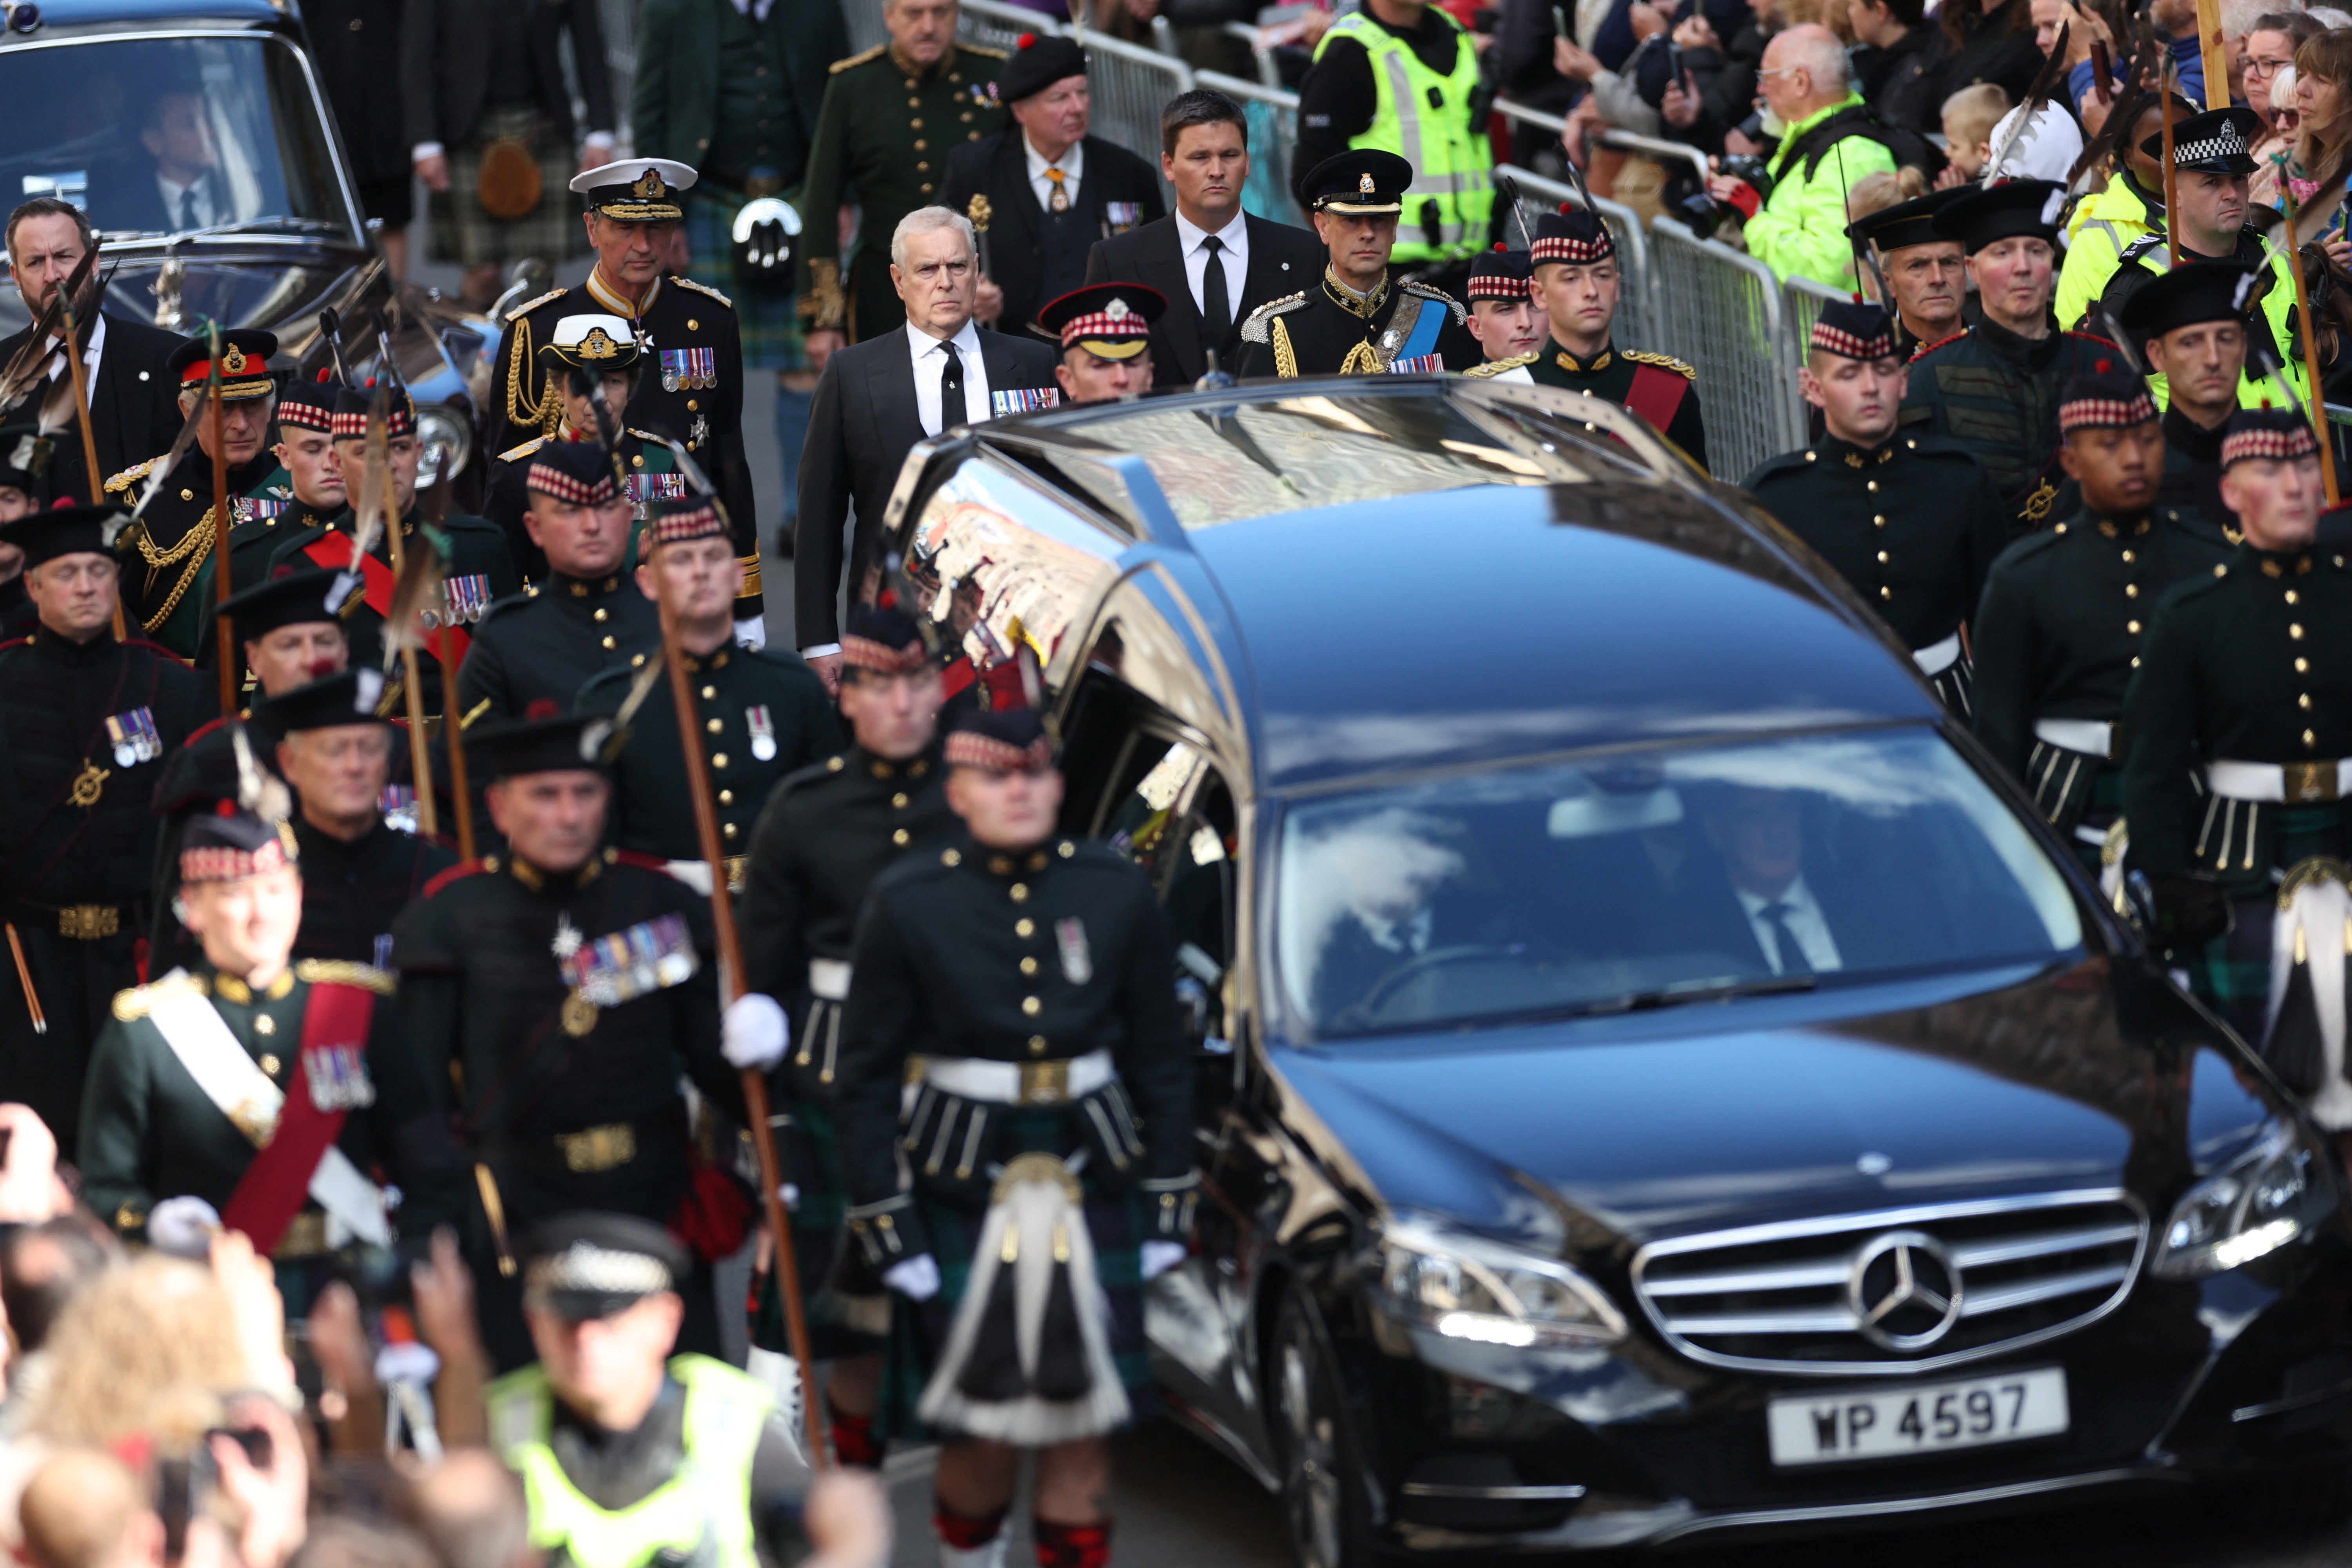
(526, 450)
(343, 971)
(702, 288)
(1413, 285)
(528, 306)
(858, 59)
(1498, 366)
(1663, 361)
(139, 1000)
(1255, 328)
(123, 480)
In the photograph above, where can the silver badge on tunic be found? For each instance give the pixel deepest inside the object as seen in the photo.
(567, 937)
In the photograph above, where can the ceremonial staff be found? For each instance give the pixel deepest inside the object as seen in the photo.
(2171, 178)
(730, 982)
(88, 432)
(374, 507)
(2310, 340)
(220, 517)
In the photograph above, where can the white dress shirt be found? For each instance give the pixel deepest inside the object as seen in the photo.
(1234, 237)
(91, 351)
(1072, 163)
(931, 362)
(206, 214)
(1805, 921)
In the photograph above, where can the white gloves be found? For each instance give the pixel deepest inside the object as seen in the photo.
(918, 1279)
(183, 1226)
(754, 1032)
(1157, 1257)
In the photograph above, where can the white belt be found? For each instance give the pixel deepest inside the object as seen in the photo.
(2286, 784)
(1021, 1083)
(695, 874)
(1937, 658)
(2088, 736)
(829, 978)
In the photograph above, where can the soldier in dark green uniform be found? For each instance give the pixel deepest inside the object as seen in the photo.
(1575, 282)
(825, 835)
(2188, 326)
(1994, 388)
(258, 1091)
(696, 397)
(314, 494)
(163, 566)
(1910, 522)
(2246, 686)
(605, 350)
(890, 118)
(2064, 618)
(586, 616)
(85, 723)
(762, 715)
(566, 986)
(477, 566)
(336, 751)
(1358, 320)
(1031, 976)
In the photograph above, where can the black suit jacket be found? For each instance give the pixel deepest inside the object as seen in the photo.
(998, 166)
(862, 424)
(132, 409)
(445, 65)
(1282, 261)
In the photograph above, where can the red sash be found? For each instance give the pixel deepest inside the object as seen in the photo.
(1656, 396)
(333, 552)
(276, 1184)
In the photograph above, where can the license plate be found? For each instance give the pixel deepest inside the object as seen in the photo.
(1925, 1418)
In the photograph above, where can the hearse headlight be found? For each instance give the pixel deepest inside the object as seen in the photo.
(1468, 1288)
(2266, 1197)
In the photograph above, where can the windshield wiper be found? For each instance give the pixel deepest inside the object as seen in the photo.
(1700, 990)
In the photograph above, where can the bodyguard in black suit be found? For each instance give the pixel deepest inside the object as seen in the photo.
(1043, 191)
(1204, 153)
(877, 398)
(133, 405)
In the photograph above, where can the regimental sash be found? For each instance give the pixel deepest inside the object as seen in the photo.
(333, 551)
(295, 1134)
(1656, 394)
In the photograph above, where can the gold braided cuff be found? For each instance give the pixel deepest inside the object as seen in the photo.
(825, 305)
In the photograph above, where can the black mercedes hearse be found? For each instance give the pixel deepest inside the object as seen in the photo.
(1657, 1077)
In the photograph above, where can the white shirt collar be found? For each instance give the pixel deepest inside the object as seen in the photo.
(1798, 897)
(1234, 237)
(1072, 163)
(90, 350)
(967, 340)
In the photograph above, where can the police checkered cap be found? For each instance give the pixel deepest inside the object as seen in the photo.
(230, 844)
(2103, 399)
(1571, 234)
(590, 1265)
(2219, 141)
(885, 642)
(1002, 739)
(2271, 434)
(1854, 329)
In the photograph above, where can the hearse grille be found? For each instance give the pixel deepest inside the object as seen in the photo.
(1899, 1290)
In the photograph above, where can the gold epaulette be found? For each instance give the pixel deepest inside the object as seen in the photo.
(1267, 312)
(343, 972)
(139, 1000)
(528, 306)
(1413, 285)
(1498, 366)
(123, 480)
(1663, 361)
(857, 60)
(702, 288)
(526, 450)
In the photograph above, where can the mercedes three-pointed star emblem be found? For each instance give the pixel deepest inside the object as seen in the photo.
(1905, 1289)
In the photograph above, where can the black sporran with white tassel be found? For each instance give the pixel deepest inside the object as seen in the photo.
(2302, 1033)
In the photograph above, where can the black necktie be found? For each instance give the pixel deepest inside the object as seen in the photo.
(188, 209)
(1216, 305)
(1792, 956)
(950, 388)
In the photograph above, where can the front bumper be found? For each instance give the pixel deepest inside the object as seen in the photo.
(1486, 1448)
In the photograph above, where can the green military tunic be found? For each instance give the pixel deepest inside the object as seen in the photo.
(1330, 330)
(149, 1132)
(648, 465)
(165, 585)
(547, 639)
(1658, 387)
(760, 714)
(2192, 475)
(1996, 394)
(885, 133)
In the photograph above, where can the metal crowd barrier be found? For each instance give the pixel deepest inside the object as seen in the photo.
(1130, 85)
(1723, 315)
(1272, 135)
(1636, 324)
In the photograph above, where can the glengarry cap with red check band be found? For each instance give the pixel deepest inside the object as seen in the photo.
(230, 844)
(1854, 329)
(1499, 274)
(352, 405)
(1573, 235)
(884, 642)
(2103, 400)
(1109, 320)
(677, 521)
(580, 472)
(308, 405)
(244, 364)
(1001, 741)
(2267, 434)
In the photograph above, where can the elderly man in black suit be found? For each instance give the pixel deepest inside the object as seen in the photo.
(877, 398)
(1214, 262)
(488, 105)
(1043, 191)
(134, 408)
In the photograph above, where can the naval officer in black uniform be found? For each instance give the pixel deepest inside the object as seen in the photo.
(2064, 622)
(86, 722)
(1911, 522)
(1358, 320)
(1032, 976)
(585, 616)
(694, 391)
(760, 714)
(570, 985)
(826, 832)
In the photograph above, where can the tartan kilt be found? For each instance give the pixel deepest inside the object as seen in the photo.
(767, 318)
(463, 233)
(2233, 974)
(919, 1330)
(812, 1161)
